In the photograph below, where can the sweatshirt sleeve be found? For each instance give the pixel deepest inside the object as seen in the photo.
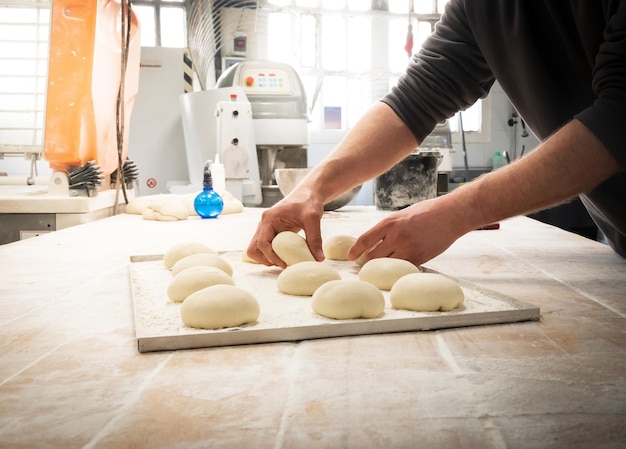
(447, 75)
(606, 117)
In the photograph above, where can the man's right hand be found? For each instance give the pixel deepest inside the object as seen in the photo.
(298, 211)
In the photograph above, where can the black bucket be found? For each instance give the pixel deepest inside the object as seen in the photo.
(412, 180)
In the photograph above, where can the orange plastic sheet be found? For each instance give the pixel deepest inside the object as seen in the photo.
(83, 82)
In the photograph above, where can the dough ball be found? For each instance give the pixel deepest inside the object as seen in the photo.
(202, 259)
(348, 299)
(385, 271)
(337, 246)
(426, 292)
(302, 279)
(291, 248)
(184, 249)
(219, 306)
(193, 279)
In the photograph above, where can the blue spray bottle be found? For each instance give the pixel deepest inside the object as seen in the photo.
(208, 203)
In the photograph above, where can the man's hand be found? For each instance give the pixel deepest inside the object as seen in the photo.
(298, 211)
(417, 233)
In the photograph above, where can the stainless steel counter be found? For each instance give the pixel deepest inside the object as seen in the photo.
(71, 375)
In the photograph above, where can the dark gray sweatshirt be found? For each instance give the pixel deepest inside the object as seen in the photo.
(555, 59)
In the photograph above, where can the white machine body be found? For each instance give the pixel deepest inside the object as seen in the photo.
(280, 117)
(237, 150)
(281, 131)
(209, 132)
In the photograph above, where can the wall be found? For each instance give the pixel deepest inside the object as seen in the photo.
(502, 137)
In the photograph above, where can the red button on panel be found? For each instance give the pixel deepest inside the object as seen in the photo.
(249, 81)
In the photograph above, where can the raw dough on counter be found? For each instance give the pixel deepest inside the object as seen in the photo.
(202, 259)
(291, 248)
(385, 271)
(138, 204)
(184, 249)
(426, 292)
(195, 278)
(337, 246)
(165, 211)
(219, 306)
(302, 279)
(172, 207)
(348, 299)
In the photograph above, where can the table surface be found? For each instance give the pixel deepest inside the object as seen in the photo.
(71, 374)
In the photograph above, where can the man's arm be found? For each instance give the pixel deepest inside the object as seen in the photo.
(377, 142)
(570, 162)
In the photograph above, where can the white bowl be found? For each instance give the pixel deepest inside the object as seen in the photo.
(288, 178)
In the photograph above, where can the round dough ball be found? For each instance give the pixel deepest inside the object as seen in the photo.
(302, 279)
(291, 248)
(195, 278)
(184, 249)
(385, 271)
(202, 259)
(348, 299)
(426, 292)
(219, 306)
(337, 246)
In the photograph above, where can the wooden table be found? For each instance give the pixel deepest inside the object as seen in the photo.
(71, 375)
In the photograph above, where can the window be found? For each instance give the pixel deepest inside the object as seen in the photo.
(350, 52)
(23, 73)
(163, 22)
(24, 35)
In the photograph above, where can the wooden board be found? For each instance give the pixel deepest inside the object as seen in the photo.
(290, 318)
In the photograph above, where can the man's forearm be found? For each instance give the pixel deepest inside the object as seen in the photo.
(571, 162)
(378, 141)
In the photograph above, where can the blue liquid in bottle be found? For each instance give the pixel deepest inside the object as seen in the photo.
(208, 203)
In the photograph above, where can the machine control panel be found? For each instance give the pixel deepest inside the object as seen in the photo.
(274, 81)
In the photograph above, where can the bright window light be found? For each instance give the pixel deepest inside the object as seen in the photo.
(307, 41)
(145, 14)
(359, 55)
(173, 27)
(333, 43)
(280, 37)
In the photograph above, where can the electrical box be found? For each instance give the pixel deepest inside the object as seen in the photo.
(240, 44)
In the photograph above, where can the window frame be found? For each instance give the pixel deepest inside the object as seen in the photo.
(157, 5)
(33, 133)
(320, 135)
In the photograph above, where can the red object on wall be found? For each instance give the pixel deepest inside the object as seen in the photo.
(408, 46)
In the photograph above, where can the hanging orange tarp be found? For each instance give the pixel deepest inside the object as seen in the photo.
(83, 82)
